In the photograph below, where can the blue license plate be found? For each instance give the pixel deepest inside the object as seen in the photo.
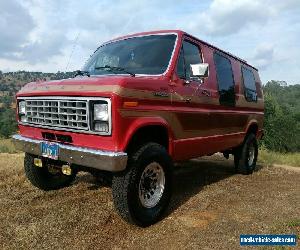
(50, 150)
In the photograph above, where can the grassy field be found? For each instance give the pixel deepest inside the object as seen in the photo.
(210, 207)
(270, 158)
(6, 146)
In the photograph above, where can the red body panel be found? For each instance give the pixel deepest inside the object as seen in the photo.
(199, 127)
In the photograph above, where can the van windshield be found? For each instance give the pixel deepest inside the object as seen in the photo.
(148, 55)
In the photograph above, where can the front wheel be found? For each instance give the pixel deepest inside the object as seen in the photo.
(142, 192)
(47, 177)
(245, 156)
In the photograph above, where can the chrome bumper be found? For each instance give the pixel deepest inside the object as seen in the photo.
(98, 159)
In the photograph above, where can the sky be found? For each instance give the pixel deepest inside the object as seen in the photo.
(60, 35)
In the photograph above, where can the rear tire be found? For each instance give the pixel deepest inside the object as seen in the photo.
(141, 193)
(245, 156)
(41, 178)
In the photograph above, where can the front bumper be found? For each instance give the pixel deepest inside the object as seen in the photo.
(98, 159)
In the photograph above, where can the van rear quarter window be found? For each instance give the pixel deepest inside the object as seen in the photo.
(225, 79)
(249, 85)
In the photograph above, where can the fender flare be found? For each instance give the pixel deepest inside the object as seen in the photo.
(141, 122)
(252, 122)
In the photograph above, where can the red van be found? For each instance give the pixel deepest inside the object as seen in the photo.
(141, 103)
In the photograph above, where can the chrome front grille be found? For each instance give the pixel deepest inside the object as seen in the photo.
(70, 114)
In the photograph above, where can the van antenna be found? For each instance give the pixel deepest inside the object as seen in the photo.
(72, 51)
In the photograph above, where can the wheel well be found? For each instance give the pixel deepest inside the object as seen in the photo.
(252, 129)
(152, 133)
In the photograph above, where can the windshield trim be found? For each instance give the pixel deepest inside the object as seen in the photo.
(154, 34)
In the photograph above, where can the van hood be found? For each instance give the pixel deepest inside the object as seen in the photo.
(79, 86)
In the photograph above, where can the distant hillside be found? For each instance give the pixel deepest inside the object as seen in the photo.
(288, 96)
(11, 82)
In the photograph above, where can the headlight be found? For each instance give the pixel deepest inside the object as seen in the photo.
(101, 112)
(101, 117)
(22, 108)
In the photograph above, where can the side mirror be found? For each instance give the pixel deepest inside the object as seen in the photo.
(200, 70)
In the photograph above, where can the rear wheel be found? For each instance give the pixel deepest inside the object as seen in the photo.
(245, 156)
(47, 177)
(142, 192)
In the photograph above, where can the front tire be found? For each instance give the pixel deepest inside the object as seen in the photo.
(141, 193)
(44, 179)
(245, 156)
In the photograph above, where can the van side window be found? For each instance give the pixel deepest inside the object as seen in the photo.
(180, 65)
(249, 85)
(225, 80)
(190, 54)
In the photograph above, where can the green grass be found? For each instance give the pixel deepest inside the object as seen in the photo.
(270, 158)
(6, 146)
(294, 223)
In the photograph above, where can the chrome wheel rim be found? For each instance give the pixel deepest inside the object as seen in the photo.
(152, 185)
(251, 154)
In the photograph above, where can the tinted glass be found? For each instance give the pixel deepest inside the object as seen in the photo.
(225, 79)
(189, 54)
(249, 84)
(180, 65)
(139, 55)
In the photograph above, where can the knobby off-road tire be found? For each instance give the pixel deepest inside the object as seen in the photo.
(245, 156)
(148, 165)
(41, 178)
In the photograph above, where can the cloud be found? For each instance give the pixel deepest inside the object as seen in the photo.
(263, 56)
(226, 17)
(288, 5)
(15, 26)
(27, 36)
(42, 50)
(104, 21)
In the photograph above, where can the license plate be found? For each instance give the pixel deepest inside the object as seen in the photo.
(50, 150)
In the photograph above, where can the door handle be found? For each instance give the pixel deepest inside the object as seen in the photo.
(206, 92)
(188, 100)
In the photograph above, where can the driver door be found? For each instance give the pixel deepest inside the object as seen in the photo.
(188, 97)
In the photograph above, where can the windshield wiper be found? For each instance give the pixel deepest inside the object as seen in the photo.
(114, 69)
(82, 73)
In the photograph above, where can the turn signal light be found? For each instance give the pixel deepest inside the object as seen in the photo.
(130, 104)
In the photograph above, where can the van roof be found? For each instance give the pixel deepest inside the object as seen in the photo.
(180, 33)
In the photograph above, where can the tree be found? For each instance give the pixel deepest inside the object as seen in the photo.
(6, 100)
(281, 129)
(8, 124)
